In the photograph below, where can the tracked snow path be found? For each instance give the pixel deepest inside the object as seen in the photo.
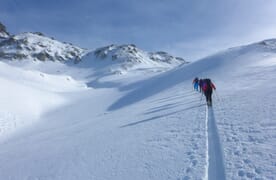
(215, 157)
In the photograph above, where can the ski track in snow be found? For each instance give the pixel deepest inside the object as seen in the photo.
(215, 156)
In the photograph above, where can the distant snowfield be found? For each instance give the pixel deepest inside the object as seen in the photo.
(64, 122)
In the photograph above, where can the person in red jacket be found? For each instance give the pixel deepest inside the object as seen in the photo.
(207, 88)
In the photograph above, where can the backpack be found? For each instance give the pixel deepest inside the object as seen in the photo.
(208, 84)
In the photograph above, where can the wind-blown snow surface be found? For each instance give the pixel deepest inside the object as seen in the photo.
(142, 127)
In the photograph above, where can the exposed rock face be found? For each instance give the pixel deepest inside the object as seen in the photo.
(3, 32)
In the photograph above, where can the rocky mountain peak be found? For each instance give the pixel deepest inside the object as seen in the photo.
(130, 52)
(3, 32)
(36, 46)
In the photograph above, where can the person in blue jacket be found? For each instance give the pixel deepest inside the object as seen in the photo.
(195, 82)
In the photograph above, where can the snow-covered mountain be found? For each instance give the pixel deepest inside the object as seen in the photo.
(120, 59)
(115, 59)
(36, 46)
(131, 53)
(58, 123)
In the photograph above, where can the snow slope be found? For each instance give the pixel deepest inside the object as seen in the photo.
(145, 126)
(26, 95)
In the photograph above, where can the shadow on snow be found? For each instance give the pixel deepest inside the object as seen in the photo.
(160, 116)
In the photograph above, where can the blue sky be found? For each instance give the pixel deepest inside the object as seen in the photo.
(187, 28)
